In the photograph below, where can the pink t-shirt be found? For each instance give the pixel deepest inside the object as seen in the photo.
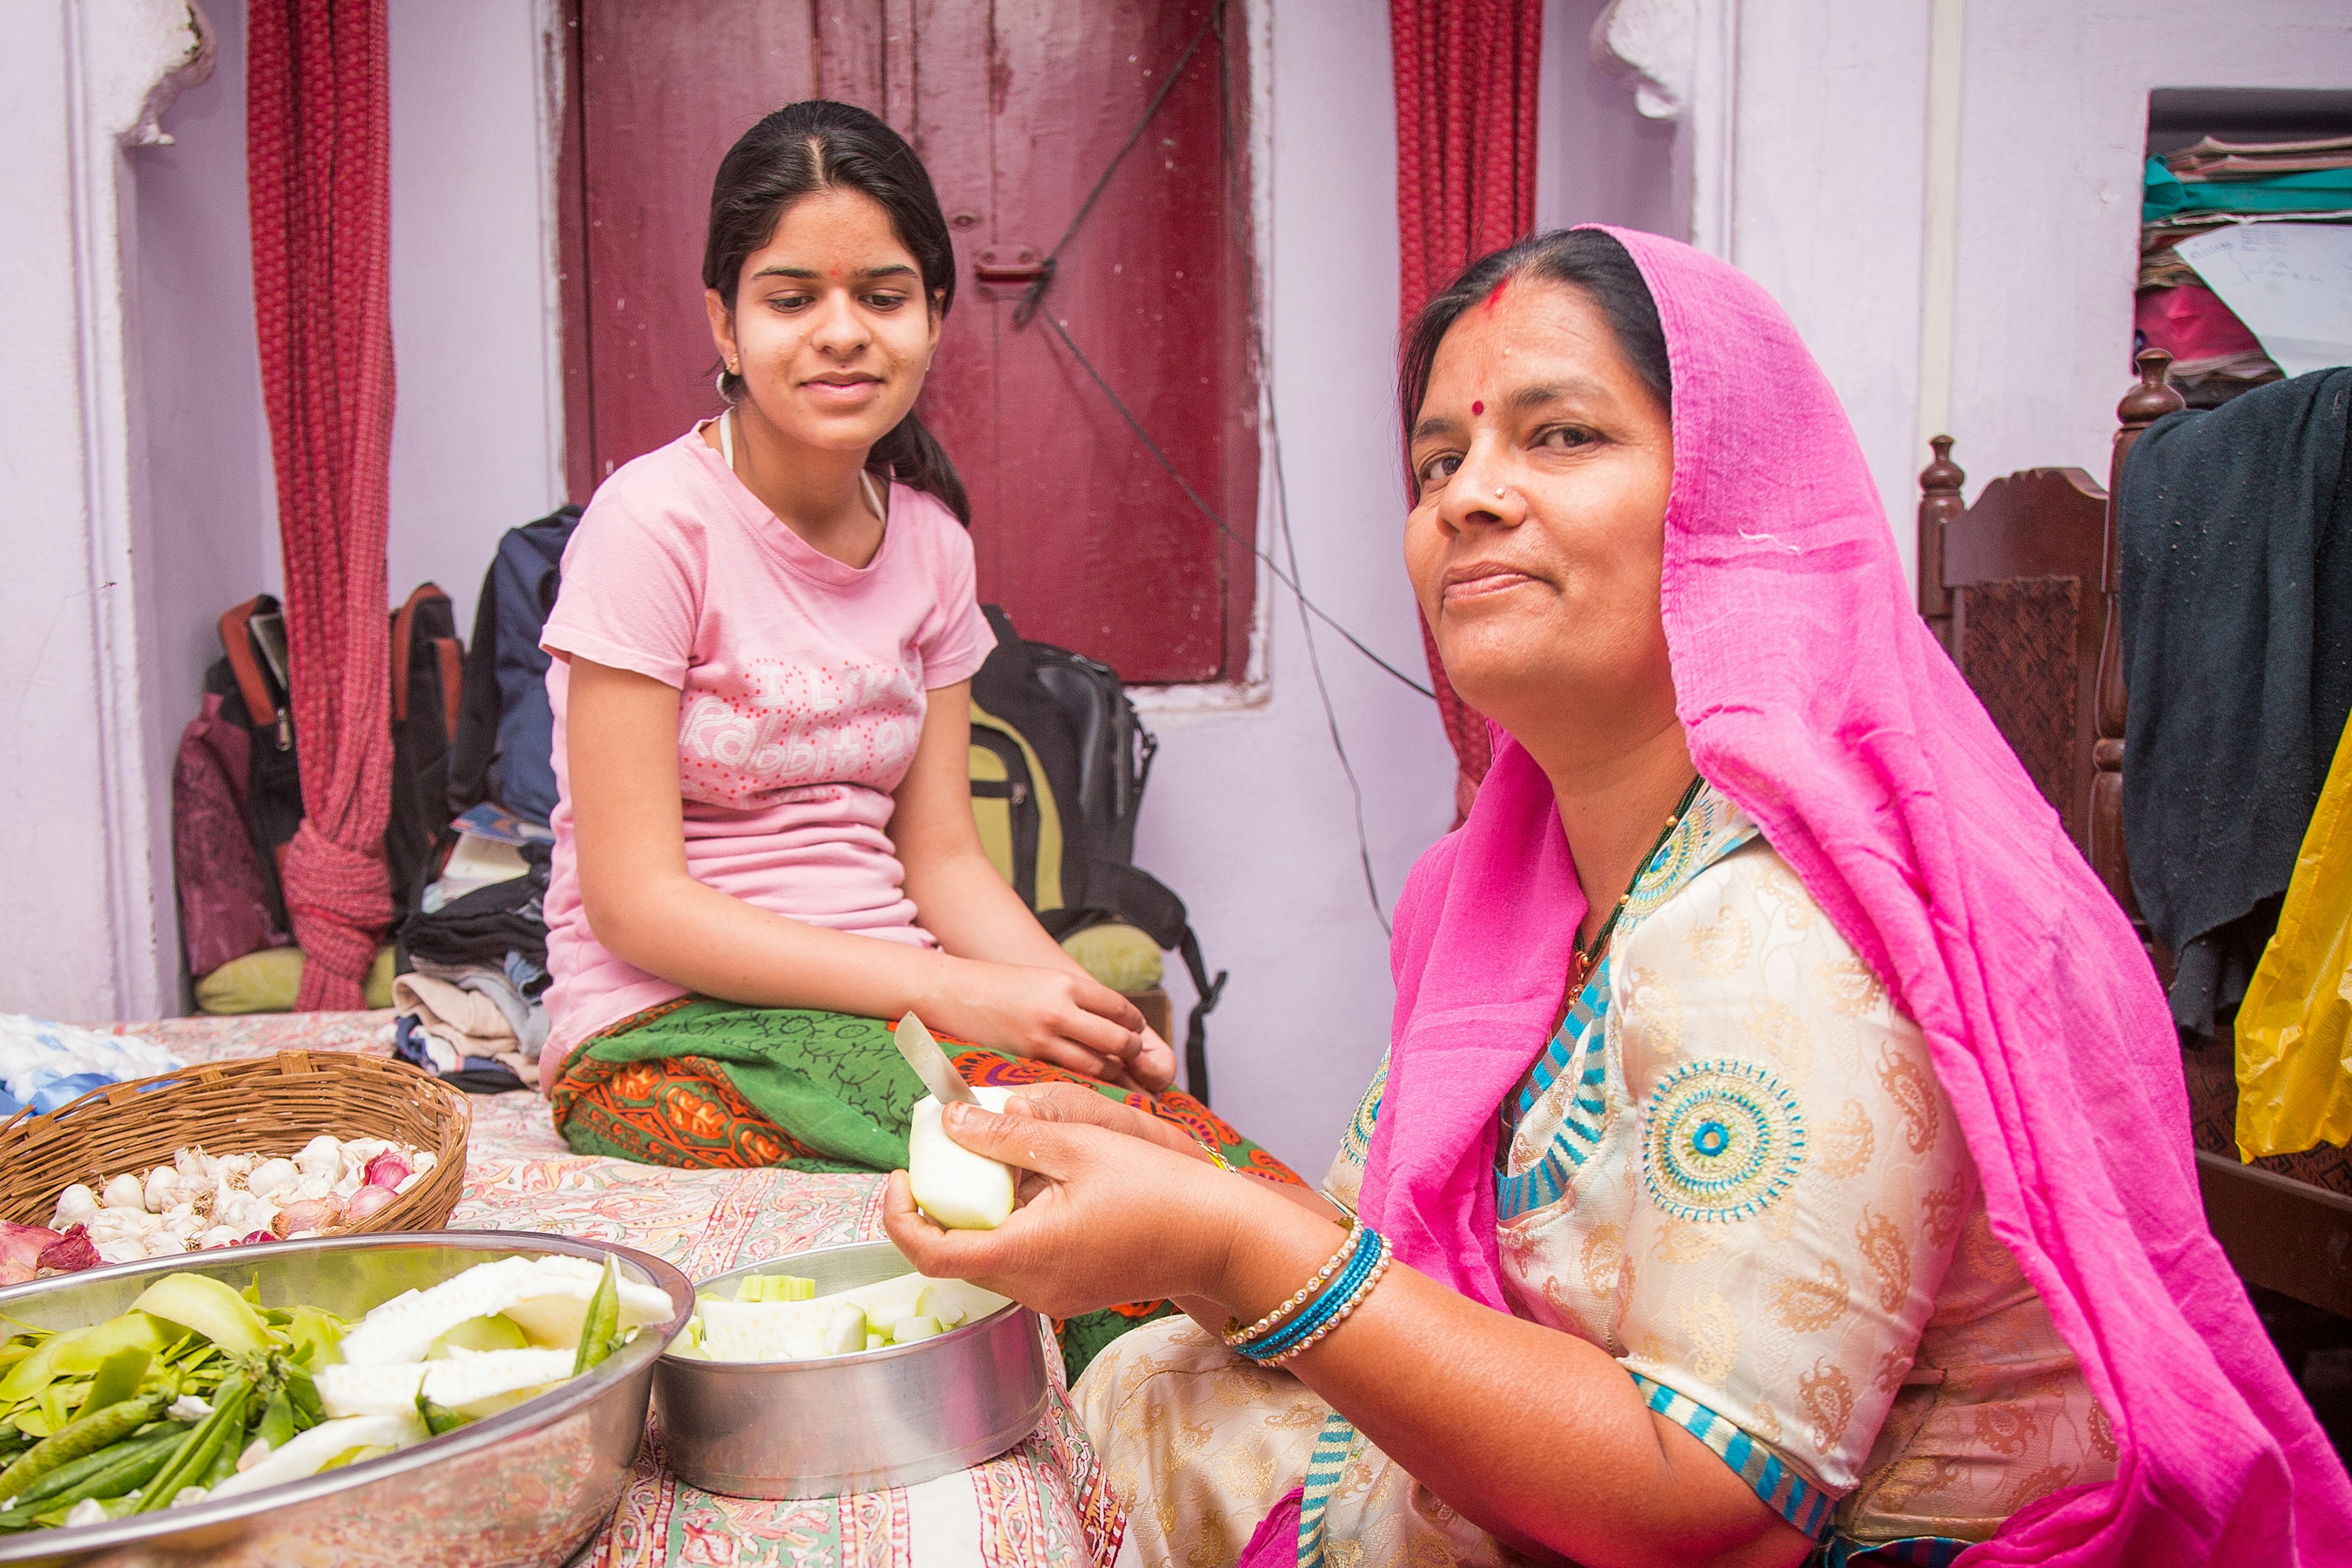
(801, 683)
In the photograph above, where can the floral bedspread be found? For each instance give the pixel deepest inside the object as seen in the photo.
(1044, 1504)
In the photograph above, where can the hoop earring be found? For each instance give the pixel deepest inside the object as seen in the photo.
(720, 381)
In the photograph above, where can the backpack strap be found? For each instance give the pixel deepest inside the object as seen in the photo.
(264, 704)
(1145, 902)
(451, 656)
(403, 640)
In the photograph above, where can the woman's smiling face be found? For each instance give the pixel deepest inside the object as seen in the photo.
(829, 323)
(1542, 463)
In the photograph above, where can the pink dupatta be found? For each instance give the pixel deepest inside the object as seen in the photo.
(1817, 699)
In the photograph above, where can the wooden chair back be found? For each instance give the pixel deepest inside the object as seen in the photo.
(2014, 586)
(2023, 589)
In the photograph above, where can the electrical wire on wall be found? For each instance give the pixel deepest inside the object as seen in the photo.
(1214, 23)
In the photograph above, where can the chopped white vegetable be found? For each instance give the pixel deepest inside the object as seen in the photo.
(548, 1297)
(960, 1189)
(305, 1452)
(89, 1510)
(483, 1382)
(781, 1331)
(191, 1407)
(347, 1390)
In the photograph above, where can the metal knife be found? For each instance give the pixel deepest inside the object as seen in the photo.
(930, 1062)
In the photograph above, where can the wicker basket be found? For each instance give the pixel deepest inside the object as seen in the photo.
(263, 1105)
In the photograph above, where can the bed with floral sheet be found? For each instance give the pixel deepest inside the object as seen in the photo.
(1044, 1504)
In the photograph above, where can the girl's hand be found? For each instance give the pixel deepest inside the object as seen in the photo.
(1053, 1014)
(1154, 1066)
(1108, 1217)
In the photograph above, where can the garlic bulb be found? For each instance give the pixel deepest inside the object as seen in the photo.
(75, 1205)
(200, 1201)
(272, 1177)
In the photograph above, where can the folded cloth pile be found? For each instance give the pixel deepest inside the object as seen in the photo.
(469, 1018)
(44, 1065)
(473, 968)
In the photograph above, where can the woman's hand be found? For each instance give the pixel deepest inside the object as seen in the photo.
(1108, 1217)
(1057, 1015)
(1069, 1104)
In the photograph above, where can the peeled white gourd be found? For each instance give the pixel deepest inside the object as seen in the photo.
(780, 1331)
(306, 1453)
(959, 1189)
(546, 1297)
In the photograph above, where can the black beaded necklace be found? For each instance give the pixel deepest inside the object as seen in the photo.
(1586, 958)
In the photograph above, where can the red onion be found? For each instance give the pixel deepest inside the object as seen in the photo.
(387, 1170)
(371, 1199)
(257, 1236)
(308, 1216)
(71, 1251)
(21, 1247)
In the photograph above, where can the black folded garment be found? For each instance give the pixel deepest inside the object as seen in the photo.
(483, 926)
(2237, 634)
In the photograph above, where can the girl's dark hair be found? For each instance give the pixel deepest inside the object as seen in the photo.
(821, 145)
(1584, 258)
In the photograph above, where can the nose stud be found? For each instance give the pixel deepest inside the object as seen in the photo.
(1498, 492)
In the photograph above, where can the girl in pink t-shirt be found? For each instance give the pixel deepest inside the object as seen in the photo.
(762, 655)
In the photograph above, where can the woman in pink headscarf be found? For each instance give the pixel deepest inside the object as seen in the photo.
(1782, 1153)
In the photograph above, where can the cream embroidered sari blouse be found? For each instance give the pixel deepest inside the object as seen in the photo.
(1735, 1170)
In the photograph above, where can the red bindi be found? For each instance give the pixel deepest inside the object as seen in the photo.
(1478, 408)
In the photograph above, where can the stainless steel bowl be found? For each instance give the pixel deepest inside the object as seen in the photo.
(855, 1423)
(527, 1486)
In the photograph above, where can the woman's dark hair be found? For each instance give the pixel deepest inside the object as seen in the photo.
(821, 145)
(1584, 258)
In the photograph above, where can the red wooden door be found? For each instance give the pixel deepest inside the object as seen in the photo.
(1017, 108)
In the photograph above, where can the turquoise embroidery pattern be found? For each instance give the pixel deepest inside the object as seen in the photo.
(1720, 1140)
(1578, 1047)
(1784, 1491)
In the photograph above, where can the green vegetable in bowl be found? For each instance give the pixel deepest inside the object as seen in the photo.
(201, 1392)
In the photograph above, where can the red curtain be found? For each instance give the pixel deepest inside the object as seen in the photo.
(1466, 73)
(318, 142)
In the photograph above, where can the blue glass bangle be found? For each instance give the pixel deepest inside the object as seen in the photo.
(1319, 1311)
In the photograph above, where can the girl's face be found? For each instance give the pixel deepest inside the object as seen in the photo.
(1543, 464)
(829, 325)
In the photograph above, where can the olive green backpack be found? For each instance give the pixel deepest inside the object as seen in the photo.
(1059, 765)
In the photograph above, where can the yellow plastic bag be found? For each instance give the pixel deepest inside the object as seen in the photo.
(2294, 1028)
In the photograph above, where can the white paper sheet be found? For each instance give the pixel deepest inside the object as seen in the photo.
(2291, 283)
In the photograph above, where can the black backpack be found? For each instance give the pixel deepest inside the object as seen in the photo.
(251, 681)
(1073, 758)
(505, 749)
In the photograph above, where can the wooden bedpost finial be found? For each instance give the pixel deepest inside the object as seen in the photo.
(1940, 504)
(1942, 477)
(2153, 395)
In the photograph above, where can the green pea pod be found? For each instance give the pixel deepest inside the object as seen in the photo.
(277, 1426)
(118, 1476)
(307, 1406)
(602, 1322)
(118, 1377)
(83, 1435)
(439, 1418)
(193, 1458)
(65, 1478)
(225, 1458)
